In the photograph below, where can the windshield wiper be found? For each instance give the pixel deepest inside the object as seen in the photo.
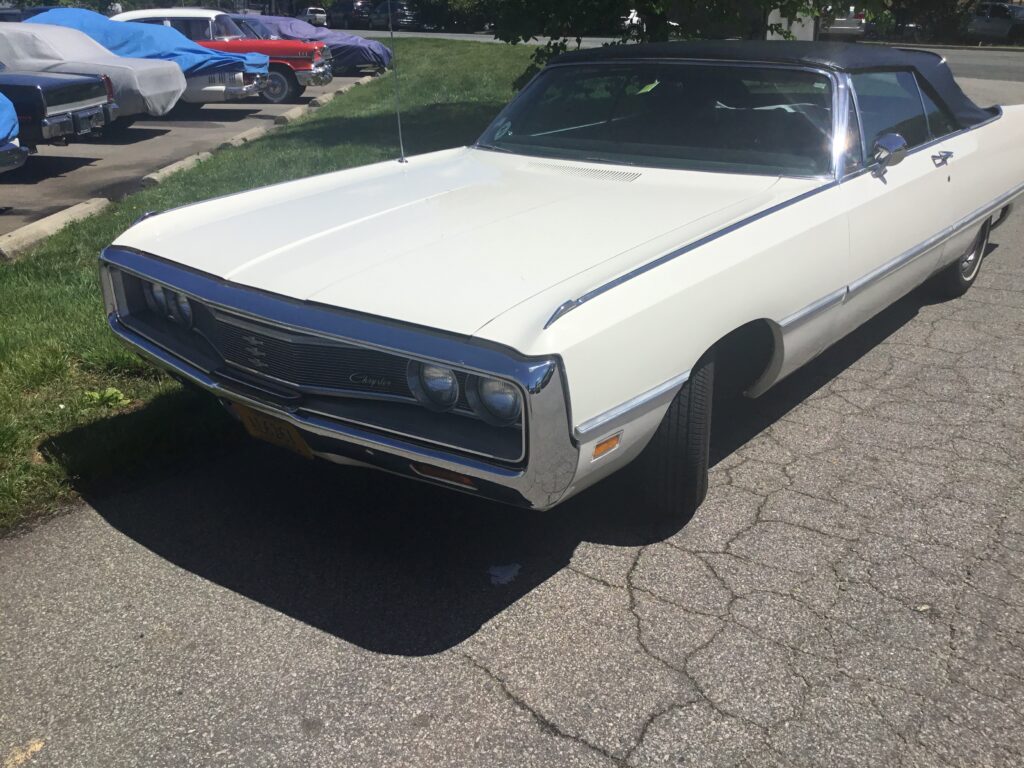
(493, 148)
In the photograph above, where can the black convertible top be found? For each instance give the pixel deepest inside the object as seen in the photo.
(839, 57)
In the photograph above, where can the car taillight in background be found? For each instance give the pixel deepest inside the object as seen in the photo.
(860, 16)
(109, 86)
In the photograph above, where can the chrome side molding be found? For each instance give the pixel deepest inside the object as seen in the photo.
(616, 417)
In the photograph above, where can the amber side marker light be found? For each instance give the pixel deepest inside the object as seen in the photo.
(606, 446)
(444, 475)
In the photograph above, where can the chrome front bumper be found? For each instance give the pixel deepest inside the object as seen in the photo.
(551, 454)
(320, 74)
(246, 91)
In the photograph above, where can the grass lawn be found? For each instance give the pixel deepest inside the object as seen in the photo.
(78, 412)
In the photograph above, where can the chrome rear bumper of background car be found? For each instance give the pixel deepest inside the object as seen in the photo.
(254, 88)
(540, 481)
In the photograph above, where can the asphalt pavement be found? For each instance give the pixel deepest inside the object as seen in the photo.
(850, 594)
(111, 166)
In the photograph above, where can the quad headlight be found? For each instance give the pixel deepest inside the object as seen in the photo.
(495, 401)
(435, 386)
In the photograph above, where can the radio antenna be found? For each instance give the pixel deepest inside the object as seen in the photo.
(398, 99)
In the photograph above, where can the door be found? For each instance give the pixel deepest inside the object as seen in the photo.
(894, 215)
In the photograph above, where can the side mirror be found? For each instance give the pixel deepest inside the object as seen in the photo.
(890, 149)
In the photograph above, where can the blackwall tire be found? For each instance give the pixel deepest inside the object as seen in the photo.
(958, 277)
(672, 472)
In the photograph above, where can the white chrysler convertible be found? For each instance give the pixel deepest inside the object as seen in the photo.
(641, 226)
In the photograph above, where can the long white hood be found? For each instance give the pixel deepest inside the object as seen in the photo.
(452, 239)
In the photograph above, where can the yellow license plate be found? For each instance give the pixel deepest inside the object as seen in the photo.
(273, 431)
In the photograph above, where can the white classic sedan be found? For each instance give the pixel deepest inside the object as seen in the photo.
(641, 227)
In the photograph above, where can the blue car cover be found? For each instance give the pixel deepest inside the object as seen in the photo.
(349, 51)
(152, 41)
(8, 121)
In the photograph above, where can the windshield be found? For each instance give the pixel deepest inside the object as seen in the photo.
(225, 28)
(255, 29)
(738, 119)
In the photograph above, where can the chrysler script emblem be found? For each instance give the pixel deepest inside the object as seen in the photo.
(373, 382)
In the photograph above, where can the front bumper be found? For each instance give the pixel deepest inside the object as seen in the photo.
(540, 481)
(12, 156)
(320, 74)
(255, 88)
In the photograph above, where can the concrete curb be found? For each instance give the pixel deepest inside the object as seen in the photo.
(245, 136)
(160, 175)
(13, 244)
(292, 114)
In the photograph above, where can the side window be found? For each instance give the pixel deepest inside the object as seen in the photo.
(981, 11)
(941, 121)
(1000, 12)
(890, 102)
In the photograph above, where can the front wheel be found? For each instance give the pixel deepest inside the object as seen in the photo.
(672, 472)
(959, 276)
(281, 87)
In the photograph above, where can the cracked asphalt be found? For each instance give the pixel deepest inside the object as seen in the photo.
(850, 594)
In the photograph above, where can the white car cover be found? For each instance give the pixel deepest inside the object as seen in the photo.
(141, 86)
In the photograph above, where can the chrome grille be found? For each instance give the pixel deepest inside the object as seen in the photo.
(305, 361)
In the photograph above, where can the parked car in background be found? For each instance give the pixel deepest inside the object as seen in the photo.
(997, 22)
(141, 86)
(403, 16)
(53, 108)
(315, 16)
(849, 26)
(349, 54)
(431, 318)
(12, 154)
(210, 76)
(21, 14)
(350, 14)
(294, 65)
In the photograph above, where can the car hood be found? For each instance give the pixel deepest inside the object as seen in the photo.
(452, 239)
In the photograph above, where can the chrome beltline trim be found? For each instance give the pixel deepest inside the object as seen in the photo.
(616, 417)
(570, 305)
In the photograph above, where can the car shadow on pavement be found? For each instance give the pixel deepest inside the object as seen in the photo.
(388, 564)
(44, 167)
(194, 113)
(127, 136)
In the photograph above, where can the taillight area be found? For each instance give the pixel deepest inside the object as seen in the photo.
(860, 16)
(109, 86)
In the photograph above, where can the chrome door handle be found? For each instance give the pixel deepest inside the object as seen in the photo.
(942, 158)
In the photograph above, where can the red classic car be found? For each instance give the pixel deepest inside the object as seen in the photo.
(293, 64)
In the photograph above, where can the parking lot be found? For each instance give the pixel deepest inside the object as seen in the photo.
(850, 593)
(58, 177)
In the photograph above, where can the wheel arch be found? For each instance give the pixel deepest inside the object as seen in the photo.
(749, 358)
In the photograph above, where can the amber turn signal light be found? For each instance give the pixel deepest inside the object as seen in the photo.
(607, 446)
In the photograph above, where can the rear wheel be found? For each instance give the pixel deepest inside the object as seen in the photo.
(282, 86)
(672, 472)
(955, 279)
